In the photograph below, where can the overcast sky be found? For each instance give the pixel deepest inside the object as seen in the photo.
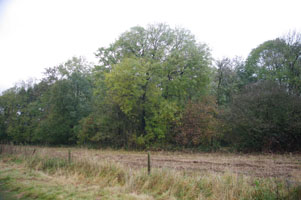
(37, 34)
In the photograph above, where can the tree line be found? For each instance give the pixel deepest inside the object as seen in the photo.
(157, 87)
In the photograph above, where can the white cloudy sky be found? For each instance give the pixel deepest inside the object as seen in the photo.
(35, 34)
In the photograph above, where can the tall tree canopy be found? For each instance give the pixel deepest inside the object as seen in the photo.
(69, 100)
(277, 60)
(156, 86)
(184, 64)
(150, 74)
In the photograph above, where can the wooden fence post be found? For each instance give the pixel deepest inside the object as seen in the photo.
(148, 163)
(33, 152)
(69, 156)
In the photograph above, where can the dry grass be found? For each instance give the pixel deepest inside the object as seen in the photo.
(259, 165)
(174, 175)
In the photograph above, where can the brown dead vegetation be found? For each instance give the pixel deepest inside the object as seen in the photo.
(261, 165)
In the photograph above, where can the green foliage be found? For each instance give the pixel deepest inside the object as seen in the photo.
(263, 97)
(70, 101)
(147, 75)
(49, 111)
(228, 80)
(19, 113)
(277, 60)
(152, 87)
(265, 117)
(133, 87)
(182, 64)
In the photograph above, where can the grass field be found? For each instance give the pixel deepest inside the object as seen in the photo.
(52, 173)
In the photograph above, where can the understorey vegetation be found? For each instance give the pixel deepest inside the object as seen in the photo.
(156, 87)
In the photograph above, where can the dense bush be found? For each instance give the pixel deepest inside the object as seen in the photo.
(265, 117)
(198, 125)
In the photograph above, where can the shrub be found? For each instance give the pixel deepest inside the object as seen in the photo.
(265, 117)
(198, 125)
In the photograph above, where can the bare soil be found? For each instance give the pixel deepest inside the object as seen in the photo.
(258, 166)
